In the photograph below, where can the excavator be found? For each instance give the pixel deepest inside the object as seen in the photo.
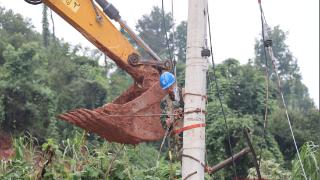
(134, 116)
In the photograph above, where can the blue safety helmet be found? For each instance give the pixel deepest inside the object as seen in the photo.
(166, 80)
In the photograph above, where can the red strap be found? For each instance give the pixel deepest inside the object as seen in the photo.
(178, 131)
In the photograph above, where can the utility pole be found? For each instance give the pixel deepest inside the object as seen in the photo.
(195, 92)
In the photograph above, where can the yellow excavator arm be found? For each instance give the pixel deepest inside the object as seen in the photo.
(134, 116)
(92, 23)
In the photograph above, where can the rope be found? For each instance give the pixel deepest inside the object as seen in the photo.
(286, 110)
(140, 115)
(219, 97)
(168, 131)
(189, 175)
(186, 128)
(194, 94)
(273, 59)
(195, 159)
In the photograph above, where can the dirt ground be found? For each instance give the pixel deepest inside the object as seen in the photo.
(6, 148)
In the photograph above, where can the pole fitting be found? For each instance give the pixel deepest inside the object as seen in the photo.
(205, 52)
(268, 43)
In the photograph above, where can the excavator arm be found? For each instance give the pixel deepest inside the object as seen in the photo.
(133, 117)
(91, 22)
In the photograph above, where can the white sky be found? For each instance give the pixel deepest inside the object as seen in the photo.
(235, 25)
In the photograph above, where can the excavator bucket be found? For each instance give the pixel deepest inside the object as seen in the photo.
(131, 118)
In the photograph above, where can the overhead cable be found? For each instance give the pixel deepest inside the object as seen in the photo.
(268, 47)
(219, 97)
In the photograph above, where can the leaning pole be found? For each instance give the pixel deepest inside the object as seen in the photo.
(193, 156)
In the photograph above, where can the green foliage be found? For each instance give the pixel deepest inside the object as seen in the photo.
(296, 93)
(120, 81)
(76, 159)
(22, 164)
(38, 83)
(15, 24)
(217, 141)
(1, 109)
(242, 91)
(310, 156)
(181, 41)
(243, 87)
(303, 114)
(50, 144)
(270, 170)
(180, 73)
(305, 127)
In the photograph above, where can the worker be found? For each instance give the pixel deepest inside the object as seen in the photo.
(167, 82)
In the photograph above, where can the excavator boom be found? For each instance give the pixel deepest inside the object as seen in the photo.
(133, 117)
(82, 15)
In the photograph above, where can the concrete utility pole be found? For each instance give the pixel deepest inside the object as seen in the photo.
(195, 92)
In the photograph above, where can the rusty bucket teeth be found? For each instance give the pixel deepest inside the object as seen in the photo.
(127, 123)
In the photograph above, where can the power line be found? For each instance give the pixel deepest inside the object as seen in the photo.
(268, 47)
(173, 40)
(219, 97)
(265, 124)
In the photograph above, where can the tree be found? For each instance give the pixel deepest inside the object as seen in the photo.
(181, 41)
(286, 63)
(270, 170)
(15, 30)
(305, 128)
(26, 103)
(38, 83)
(296, 96)
(242, 93)
(242, 86)
(151, 29)
(296, 93)
(180, 51)
(45, 26)
(15, 24)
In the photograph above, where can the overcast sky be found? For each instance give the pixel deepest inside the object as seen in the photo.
(235, 25)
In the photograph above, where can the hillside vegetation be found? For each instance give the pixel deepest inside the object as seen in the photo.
(42, 76)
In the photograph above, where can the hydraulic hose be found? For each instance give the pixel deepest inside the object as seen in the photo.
(33, 2)
(114, 14)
